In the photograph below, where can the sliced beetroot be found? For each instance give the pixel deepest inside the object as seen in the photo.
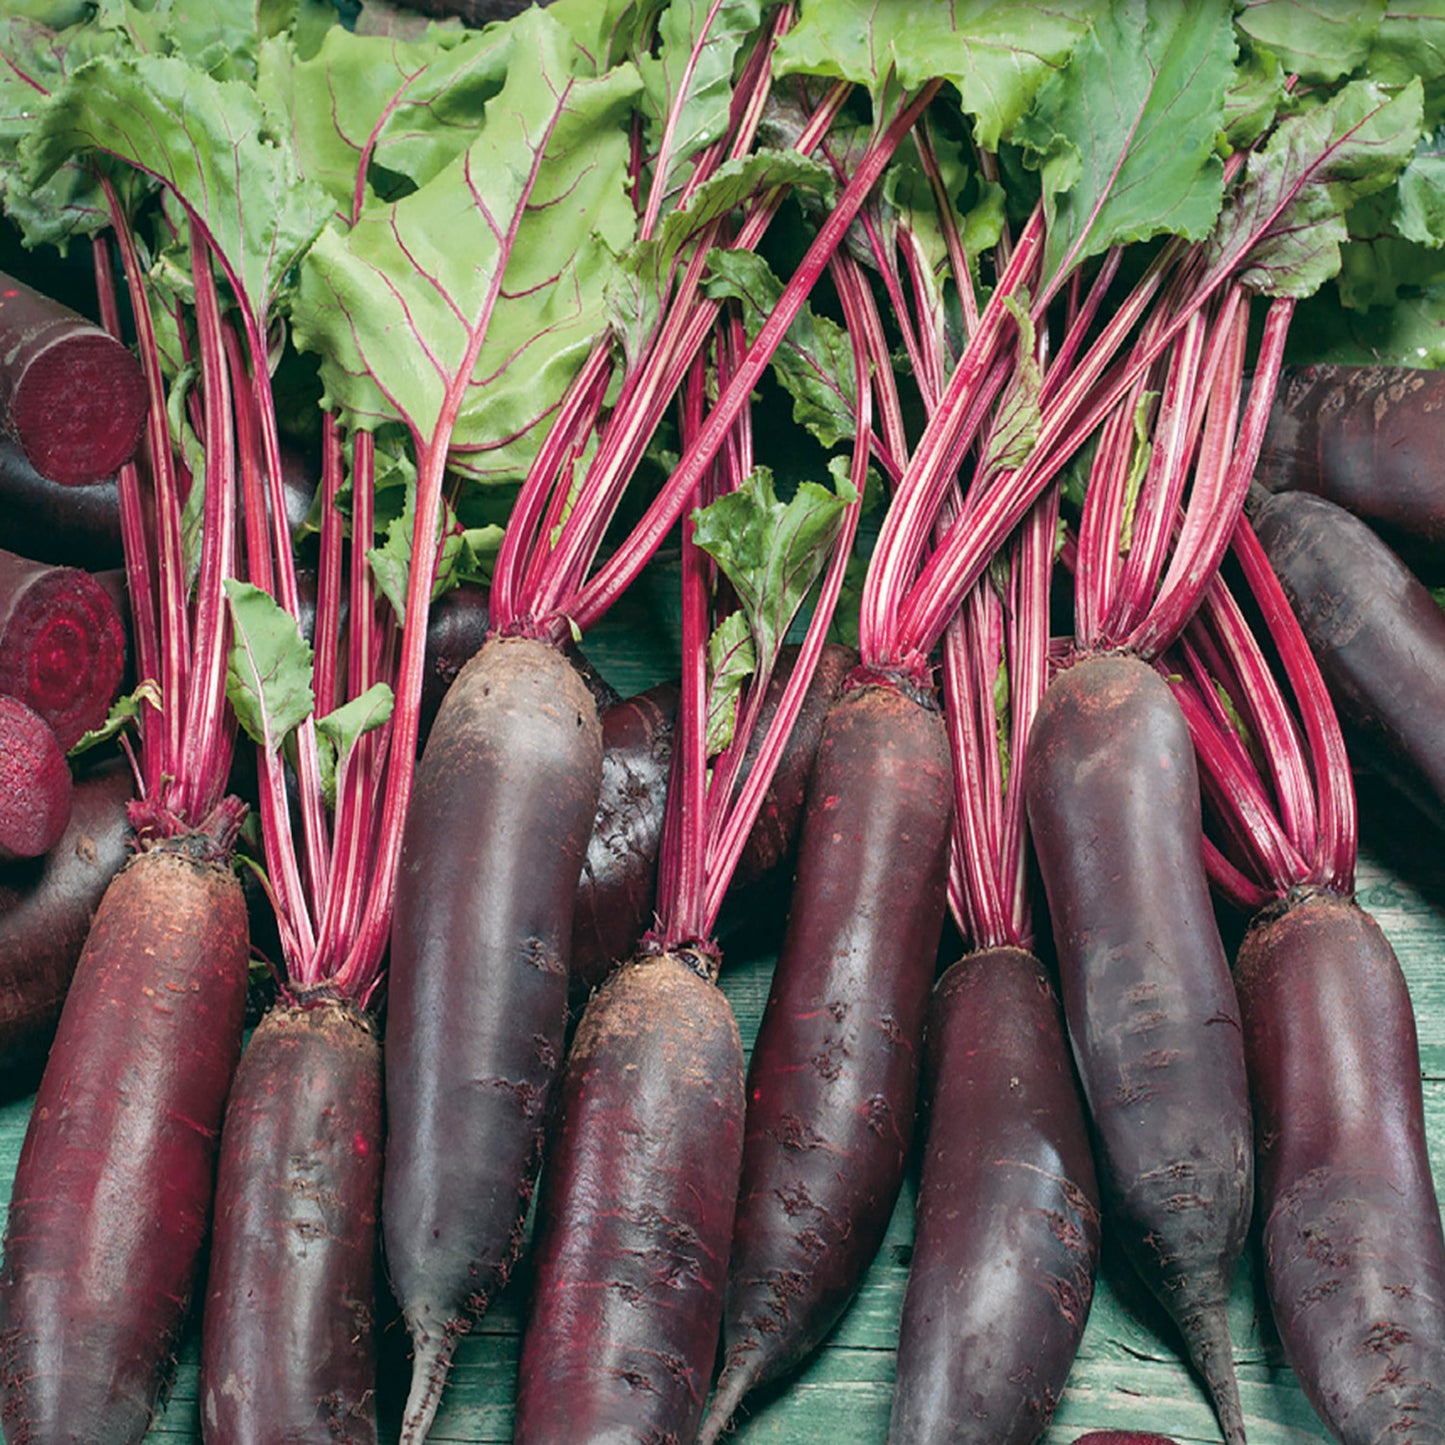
(34, 783)
(62, 645)
(73, 396)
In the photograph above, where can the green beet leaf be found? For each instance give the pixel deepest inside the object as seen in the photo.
(123, 711)
(1125, 136)
(508, 250)
(1410, 44)
(203, 139)
(996, 55)
(772, 552)
(1285, 224)
(339, 731)
(1319, 40)
(731, 660)
(268, 673)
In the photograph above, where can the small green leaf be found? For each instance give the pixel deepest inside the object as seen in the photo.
(1020, 415)
(391, 561)
(1138, 467)
(268, 674)
(338, 731)
(772, 551)
(732, 659)
(123, 710)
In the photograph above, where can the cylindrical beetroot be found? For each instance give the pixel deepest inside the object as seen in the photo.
(62, 645)
(35, 788)
(46, 907)
(635, 1214)
(1353, 1250)
(288, 1347)
(70, 393)
(1114, 813)
(76, 526)
(833, 1079)
(505, 794)
(1376, 632)
(113, 1189)
(1369, 439)
(1006, 1241)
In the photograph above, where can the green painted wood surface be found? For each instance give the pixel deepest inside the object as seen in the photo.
(1129, 1372)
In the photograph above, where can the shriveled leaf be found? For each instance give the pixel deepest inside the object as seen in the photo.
(815, 362)
(731, 661)
(772, 552)
(1320, 40)
(687, 84)
(337, 733)
(268, 673)
(201, 138)
(996, 55)
(1125, 135)
(123, 711)
(398, 306)
(1288, 216)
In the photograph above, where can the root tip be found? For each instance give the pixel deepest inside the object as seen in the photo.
(732, 1387)
(431, 1363)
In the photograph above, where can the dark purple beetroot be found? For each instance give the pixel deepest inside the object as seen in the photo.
(1114, 813)
(1369, 438)
(46, 907)
(505, 795)
(113, 1189)
(1376, 632)
(1006, 1243)
(71, 394)
(75, 526)
(62, 645)
(635, 1214)
(833, 1079)
(35, 787)
(1121, 1437)
(288, 1346)
(1353, 1250)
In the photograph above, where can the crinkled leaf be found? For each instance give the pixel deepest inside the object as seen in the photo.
(201, 138)
(338, 731)
(1320, 40)
(1410, 43)
(1252, 100)
(218, 37)
(1286, 222)
(123, 711)
(1125, 134)
(268, 674)
(731, 661)
(687, 84)
(815, 362)
(394, 306)
(996, 55)
(34, 62)
(1020, 415)
(772, 551)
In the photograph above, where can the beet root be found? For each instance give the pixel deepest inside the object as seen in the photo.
(1114, 812)
(46, 907)
(503, 806)
(62, 645)
(635, 1214)
(1006, 1244)
(35, 789)
(833, 1080)
(288, 1347)
(113, 1188)
(1353, 1250)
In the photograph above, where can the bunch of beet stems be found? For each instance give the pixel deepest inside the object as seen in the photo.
(1354, 1258)
(632, 1243)
(114, 1178)
(288, 1345)
(478, 991)
(1007, 1229)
